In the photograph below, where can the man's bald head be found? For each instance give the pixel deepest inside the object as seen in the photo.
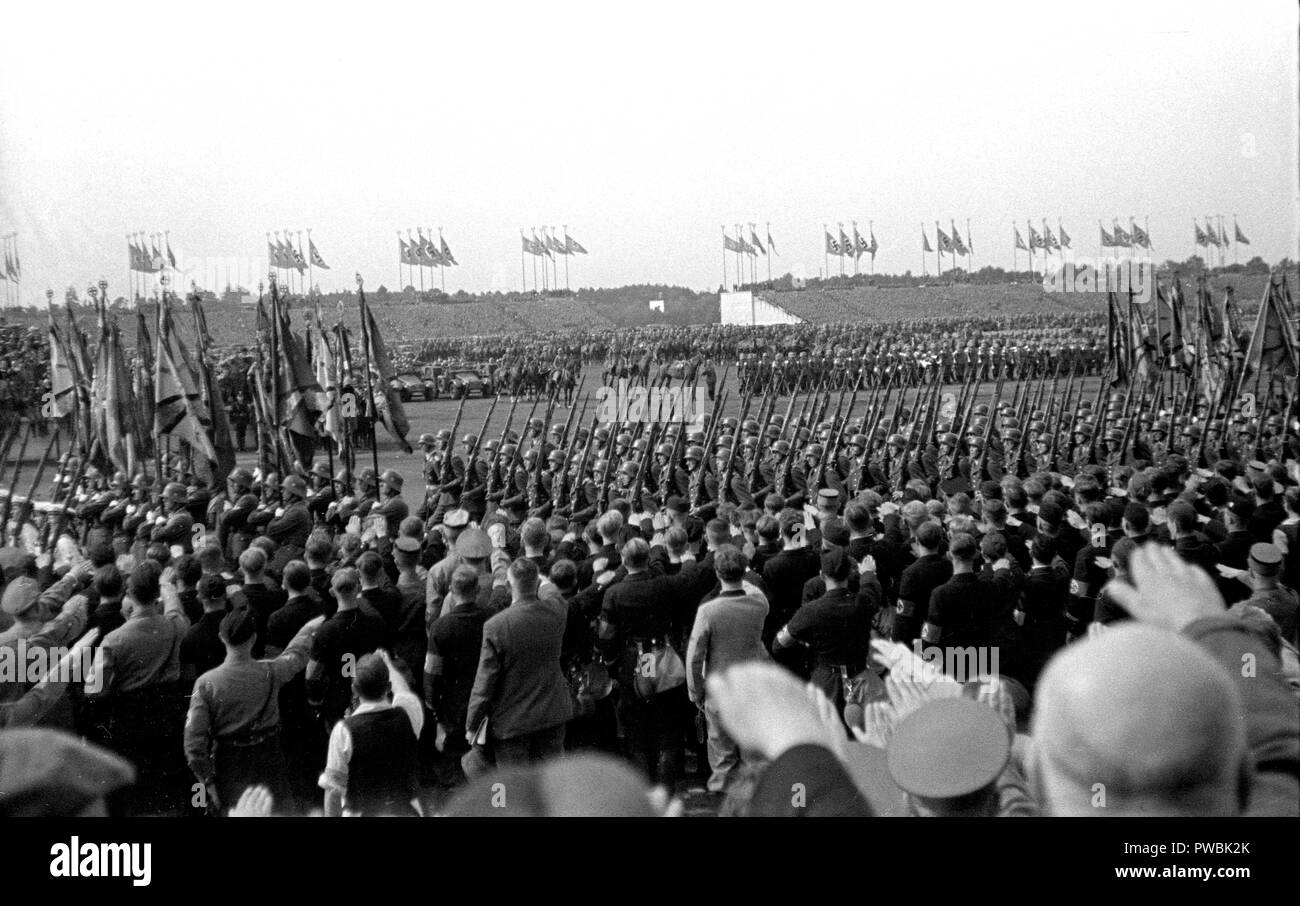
(1138, 721)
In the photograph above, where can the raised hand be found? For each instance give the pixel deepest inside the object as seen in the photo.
(1166, 590)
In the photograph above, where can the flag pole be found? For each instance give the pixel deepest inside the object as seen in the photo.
(724, 257)
(871, 231)
(1234, 247)
(855, 247)
(523, 270)
(310, 284)
(566, 257)
(370, 390)
(970, 249)
(442, 268)
(769, 251)
(826, 250)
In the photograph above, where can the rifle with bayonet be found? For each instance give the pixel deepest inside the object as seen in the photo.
(471, 457)
(490, 493)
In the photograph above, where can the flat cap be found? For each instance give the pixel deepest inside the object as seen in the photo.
(49, 773)
(20, 595)
(473, 544)
(1266, 554)
(948, 748)
(676, 505)
(407, 544)
(15, 561)
(456, 518)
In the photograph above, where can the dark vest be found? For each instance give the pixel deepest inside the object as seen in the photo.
(383, 773)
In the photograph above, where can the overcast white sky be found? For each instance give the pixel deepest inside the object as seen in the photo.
(644, 127)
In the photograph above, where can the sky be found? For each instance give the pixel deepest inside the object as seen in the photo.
(642, 127)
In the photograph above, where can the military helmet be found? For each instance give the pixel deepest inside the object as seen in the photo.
(295, 486)
(242, 478)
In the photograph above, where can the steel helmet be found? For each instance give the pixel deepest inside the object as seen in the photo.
(295, 486)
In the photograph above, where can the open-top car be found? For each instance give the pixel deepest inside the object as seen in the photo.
(468, 382)
(412, 385)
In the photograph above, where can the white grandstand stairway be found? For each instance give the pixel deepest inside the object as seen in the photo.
(751, 309)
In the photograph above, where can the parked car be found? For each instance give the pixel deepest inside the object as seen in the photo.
(411, 386)
(467, 382)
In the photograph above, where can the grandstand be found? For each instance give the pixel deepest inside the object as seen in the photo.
(232, 323)
(750, 309)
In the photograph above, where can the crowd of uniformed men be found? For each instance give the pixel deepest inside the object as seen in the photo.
(359, 646)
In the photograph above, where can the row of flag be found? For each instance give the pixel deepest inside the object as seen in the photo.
(948, 244)
(752, 247)
(283, 255)
(854, 247)
(1198, 337)
(149, 253)
(1117, 238)
(549, 245)
(422, 251)
(1046, 240)
(1218, 238)
(120, 406)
